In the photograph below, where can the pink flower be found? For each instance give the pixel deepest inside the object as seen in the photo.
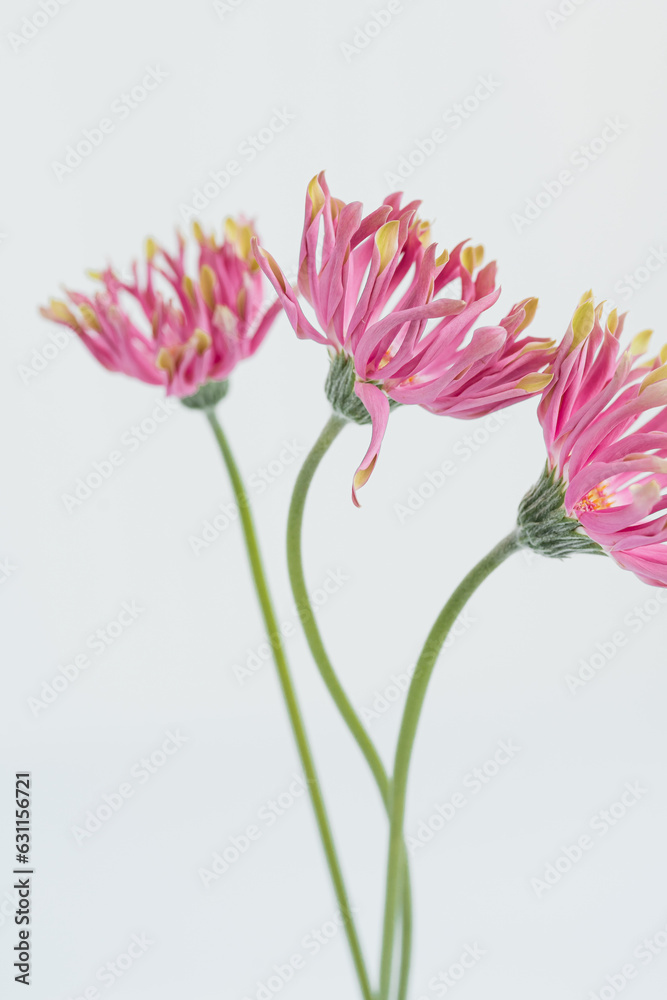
(605, 428)
(168, 328)
(374, 283)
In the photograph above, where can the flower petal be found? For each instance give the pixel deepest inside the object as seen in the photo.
(377, 405)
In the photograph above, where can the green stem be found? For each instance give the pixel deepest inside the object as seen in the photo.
(293, 709)
(406, 739)
(297, 579)
(329, 434)
(406, 937)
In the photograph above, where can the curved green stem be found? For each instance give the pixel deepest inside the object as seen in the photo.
(406, 739)
(291, 702)
(297, 579)
(406, 937)
(304, 606)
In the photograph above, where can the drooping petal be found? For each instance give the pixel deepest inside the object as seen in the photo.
(377, 405)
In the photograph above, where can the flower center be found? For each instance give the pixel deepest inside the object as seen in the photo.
(386, 358)
(596, 499)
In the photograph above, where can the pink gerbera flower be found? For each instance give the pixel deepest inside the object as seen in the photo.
(605, 428)
(375, 284)
(169, 328)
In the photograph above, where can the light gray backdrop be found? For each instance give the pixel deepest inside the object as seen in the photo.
(516, 93)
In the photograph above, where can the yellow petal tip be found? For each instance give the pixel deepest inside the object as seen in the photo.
(658, 375)
(165, 362)
(362, 476)
(640, 343)
(529, 308)
(468, 259)
(386, 240)
(583, 321)
(201, 340)
(534, 382)
(207, 285)
(316, 195)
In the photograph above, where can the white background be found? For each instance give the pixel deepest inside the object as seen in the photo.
(355, 114)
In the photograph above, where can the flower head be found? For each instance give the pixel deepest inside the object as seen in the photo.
(170, 328)
(605, 427)
(375, 284)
